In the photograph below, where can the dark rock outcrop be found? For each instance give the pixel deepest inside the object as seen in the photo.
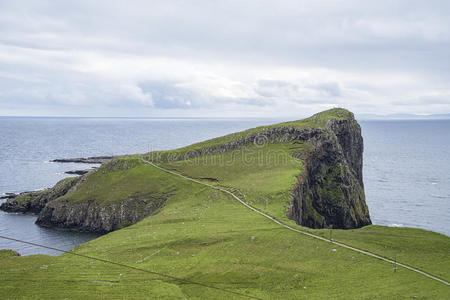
(9, 196)
(330, 192)
(85, 160)
(78, 172)
(94, 217)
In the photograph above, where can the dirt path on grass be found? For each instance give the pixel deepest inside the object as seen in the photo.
(298, 230)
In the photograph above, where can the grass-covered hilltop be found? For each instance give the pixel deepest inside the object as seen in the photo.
(247, 215)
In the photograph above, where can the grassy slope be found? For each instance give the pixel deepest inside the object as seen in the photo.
(121, 179)
(206, 236)
(7, 253)
(425, 250)
(263, 176)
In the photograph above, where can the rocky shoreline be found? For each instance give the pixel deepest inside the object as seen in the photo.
(90, 216)
(85, 160)
(10, 195)
(79, 172)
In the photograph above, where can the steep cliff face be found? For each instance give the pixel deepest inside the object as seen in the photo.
(330, 191)
(94, 217)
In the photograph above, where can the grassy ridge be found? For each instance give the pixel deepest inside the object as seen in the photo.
(315, 121)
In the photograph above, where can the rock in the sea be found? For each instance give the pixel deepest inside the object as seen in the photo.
(9, 196)
(85, 160)
(78, 172)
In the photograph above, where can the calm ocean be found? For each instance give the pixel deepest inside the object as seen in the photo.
(406, 165)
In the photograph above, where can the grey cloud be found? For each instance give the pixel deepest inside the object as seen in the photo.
(275, 88)
(287, 31)
(167, 95)
(425, 100)
(324, 92)
(77, 53)
(328, 88)
(252, 102)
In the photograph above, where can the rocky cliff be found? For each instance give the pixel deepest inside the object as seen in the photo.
(106, 199)
(94, 217)
(330, 191)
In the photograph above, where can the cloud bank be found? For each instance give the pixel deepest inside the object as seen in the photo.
(223, 58)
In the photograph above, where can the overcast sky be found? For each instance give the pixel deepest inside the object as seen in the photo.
(223, 58)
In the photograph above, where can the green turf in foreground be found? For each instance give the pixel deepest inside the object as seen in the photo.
(425, 250)
(206, 236)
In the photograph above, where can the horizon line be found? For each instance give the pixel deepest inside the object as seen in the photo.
(362, 116)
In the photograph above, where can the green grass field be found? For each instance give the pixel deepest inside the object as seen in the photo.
(205, 236)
